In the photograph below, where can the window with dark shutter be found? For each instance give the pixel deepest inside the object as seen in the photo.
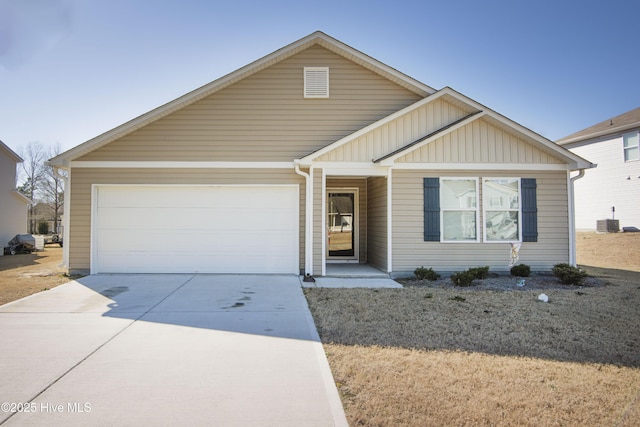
(431, 209)
(529, 210)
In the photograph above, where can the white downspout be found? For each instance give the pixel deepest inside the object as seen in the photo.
(389, 223)
(308, 220)
(67, 216)
(572, 216)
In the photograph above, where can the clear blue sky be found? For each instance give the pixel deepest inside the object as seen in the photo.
(73, 69)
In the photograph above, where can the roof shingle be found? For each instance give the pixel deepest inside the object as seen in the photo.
(628, 120)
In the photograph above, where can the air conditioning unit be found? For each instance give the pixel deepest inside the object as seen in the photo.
(608, 226)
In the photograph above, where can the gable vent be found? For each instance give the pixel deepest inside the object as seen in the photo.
(316, 82)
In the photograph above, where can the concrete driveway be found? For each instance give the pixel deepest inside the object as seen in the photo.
(165, 350)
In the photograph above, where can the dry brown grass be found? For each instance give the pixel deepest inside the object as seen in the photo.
(25, 274)
(615, 251)
(400, 387)
(423, 357)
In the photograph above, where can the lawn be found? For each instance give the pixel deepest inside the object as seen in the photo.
(442, 356)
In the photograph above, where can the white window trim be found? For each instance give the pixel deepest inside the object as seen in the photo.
(627, 149)
(487, 207)
(443, 210)
(311, 94)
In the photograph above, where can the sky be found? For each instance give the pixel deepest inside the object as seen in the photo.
(73, 69)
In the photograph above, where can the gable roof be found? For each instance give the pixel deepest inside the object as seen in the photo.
(11, 153)
(474, 112)
(316, 38)
(625, 121)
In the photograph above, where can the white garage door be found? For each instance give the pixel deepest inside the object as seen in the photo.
(195, 229)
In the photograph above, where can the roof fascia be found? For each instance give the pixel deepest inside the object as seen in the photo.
(573, 160)
(11, 153)
(22, 197)
(281, 54)
(373, 64)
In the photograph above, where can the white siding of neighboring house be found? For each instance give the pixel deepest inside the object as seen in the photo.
(607, 185)
(13, 208)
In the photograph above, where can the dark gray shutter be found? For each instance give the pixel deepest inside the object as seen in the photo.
(529, 210)
(432, 209)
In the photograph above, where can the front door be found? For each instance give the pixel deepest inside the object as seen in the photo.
(341, 224)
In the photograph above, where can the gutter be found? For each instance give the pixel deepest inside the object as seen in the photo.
(308, 216)
(572, 216)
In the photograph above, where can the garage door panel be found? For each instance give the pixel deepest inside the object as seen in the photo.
(208, 240)
(231, 229)
(178, 219)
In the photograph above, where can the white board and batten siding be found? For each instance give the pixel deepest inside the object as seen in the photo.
(195, 229)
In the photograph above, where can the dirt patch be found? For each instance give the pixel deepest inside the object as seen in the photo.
(25, 274)
(492, 354)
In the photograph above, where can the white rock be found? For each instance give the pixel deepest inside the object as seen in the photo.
(543, 297)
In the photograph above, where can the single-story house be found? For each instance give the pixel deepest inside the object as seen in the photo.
(312, 155)
(612, 190)
(13, 204)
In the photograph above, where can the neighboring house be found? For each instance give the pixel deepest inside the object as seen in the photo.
(13, 204)
(614, 145)
(316, 154)
(44, 212)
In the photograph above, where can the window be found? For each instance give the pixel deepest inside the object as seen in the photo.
(459, 209)
(501, 209)
(631, 146)
(509, 208)
(316, 82)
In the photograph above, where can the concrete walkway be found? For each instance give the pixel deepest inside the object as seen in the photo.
(133, 350)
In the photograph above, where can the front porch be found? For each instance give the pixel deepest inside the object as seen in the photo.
(351, 223)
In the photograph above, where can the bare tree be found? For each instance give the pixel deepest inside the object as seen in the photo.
(53, 189)
(32, 176)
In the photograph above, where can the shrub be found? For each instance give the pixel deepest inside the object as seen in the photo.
(521, 270)
(43, 227)
(568, 274)
(463, 278)
(426, 273)
(479, 273)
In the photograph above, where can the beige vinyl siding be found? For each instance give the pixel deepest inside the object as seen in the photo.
(377, 222)
(411, 251)
(396, 134)
(478, 142)
(361, 185)
(265, 117)
(83, 178)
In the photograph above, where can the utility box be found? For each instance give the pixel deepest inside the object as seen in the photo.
(608, 226)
